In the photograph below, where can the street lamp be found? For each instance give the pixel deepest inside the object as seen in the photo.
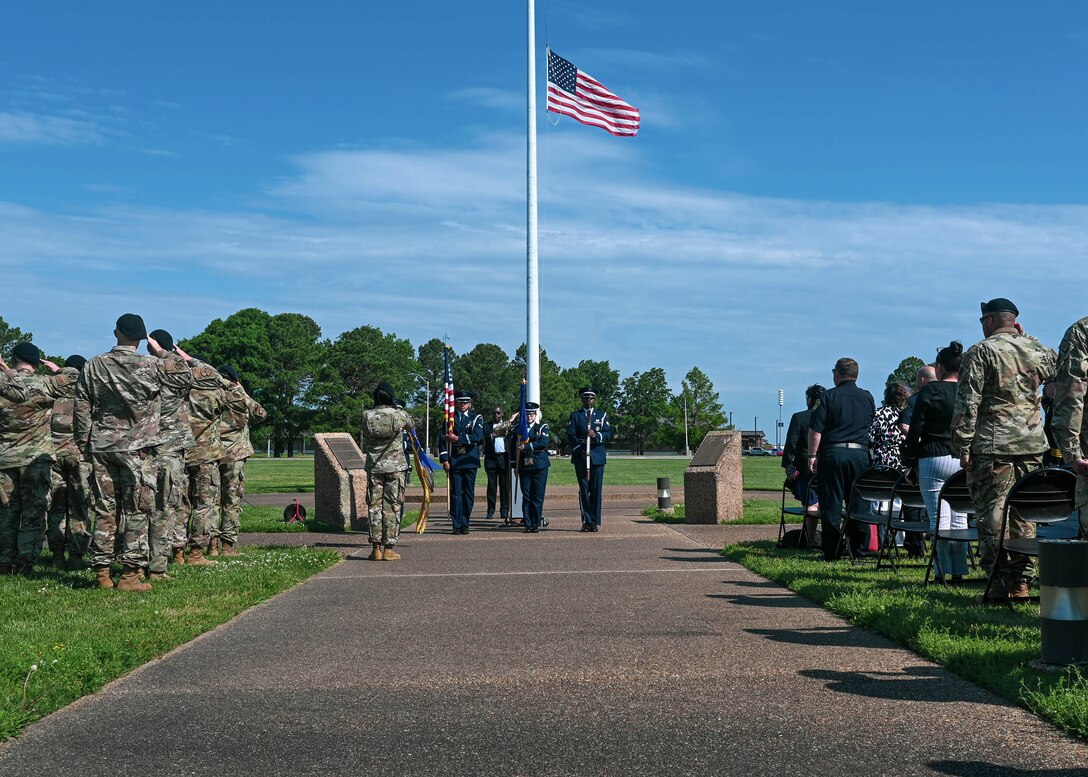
(687, 449)
(427, 407)
(778, 429)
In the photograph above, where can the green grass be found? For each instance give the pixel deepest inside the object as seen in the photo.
(267, 476)
(990, 646)
(756, 512)
(81, 638)
(269, 520)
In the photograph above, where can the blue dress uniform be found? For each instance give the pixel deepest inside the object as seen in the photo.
(464, 459)
(533, 464)
(591, 485)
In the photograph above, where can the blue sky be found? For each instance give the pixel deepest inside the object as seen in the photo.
(810, 181)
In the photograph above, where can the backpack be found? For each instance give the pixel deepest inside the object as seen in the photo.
(380, 424)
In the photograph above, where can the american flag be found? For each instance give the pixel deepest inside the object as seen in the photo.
(573, 93)
(448, 405)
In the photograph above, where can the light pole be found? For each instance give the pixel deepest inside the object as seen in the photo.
(778, 429)
(755, 430)
(427, 407)
(687, 449)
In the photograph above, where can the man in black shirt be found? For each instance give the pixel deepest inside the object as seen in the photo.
(795, 460)
(838, 447)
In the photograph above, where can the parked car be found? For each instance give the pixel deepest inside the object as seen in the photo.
(757, 452)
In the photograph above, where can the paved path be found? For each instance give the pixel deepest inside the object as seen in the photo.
(634, 651)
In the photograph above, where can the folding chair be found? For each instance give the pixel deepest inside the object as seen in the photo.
(876, 484)
(784, 511)
(956, 495)
(909, 495)
(1044, 496)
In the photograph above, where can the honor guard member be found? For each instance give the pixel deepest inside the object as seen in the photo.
(169, 518)
(497, 465)
(70, 505)
(207, 403)
(589, 427)
(117, 425)
(461, 459)
(384, 428)
(241, 411)
(838, 449)
(997, 431)
(26, 458)
(533, 463)
(1069, 422)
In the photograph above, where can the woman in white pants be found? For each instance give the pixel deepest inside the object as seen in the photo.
(928, 449)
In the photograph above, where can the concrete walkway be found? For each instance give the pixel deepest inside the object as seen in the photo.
(634, 651)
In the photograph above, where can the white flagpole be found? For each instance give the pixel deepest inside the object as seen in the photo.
(532, 301)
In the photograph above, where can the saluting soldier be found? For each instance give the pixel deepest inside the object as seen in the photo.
(70, 504)
(176, 436)
(241, 411)
(384, 427)
(26, 457)
(589, 426)
(461, 459)
(997, 430)
(117, 425)
(1069, 422)
(207, 401)
(533, 463)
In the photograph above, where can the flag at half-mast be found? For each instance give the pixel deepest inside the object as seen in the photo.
(574, 93)
(447, 403)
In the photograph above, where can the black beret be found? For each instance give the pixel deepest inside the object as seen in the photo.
(999, 305)
(132, 326)
(164, 339)
(587, 391)
(27, 352)
(76, 361)
(465, 395)
(229, 371)
(384, 393)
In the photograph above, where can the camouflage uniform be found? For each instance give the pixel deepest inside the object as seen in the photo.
(1069, 422)
(117, 424)
(386, 466)
(207, 401)
(168, 519)
(237, 447)
(997, 419)
(69, 514)
(26, 456)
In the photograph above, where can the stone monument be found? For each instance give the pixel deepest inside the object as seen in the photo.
(713, 487)
(339, 481)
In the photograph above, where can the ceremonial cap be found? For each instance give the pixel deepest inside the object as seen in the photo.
(76, 361)
(132, 326)
(164, 339)
(27, 352)
(532, 405)
(587, 391)
(999, 305)
(465, 396)
(398, 402)
(226, 369)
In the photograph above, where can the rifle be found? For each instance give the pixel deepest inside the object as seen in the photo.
(589, 427)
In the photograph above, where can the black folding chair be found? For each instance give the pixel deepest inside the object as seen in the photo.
(1044, 496)
(876, 484)
(956, 495)
(909, 496)
(785, 511)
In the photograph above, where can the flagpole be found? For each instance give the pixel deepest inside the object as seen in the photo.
(532, 301)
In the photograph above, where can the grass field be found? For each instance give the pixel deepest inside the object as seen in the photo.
(64, 639)
(268, 476)
(756, 512)
(990, 646)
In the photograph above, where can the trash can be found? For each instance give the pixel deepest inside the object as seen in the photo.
(664, 498)
(1063, 601)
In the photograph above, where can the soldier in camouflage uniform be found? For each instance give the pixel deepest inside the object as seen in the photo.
(241, 410)
(386, 465)
(70, 511)
(207, 402)
(997, 430)
(117, 425)
(1069, 422)
(168, 519)
(26, 457)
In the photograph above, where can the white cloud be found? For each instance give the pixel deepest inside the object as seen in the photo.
(23, 129)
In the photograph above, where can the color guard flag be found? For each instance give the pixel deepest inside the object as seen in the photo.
(448, 405)
(574, 93)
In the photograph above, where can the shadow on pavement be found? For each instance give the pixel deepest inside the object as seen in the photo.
(764, 600)
(823, 636)
(914, 683)
(985, 769)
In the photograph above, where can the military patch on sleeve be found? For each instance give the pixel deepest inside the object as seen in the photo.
(175, 363)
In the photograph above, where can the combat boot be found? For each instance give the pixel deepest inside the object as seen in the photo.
(58, 557)
(196, 559)
(5, 569)
(130, 581)
(104, 579)
(1020, 590)
(389, 554)
(75, 562)
(376, 554)
(179, 556)
(158, 576)
(227, 548)
(213, 547)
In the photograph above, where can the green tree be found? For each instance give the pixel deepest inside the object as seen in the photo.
(489, 372)
(600, 376)
(644, 412)
(704, 410)
(11, 336)
(432, 369)
(906, 372)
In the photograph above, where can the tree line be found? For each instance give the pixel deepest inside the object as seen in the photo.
(311, 384)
